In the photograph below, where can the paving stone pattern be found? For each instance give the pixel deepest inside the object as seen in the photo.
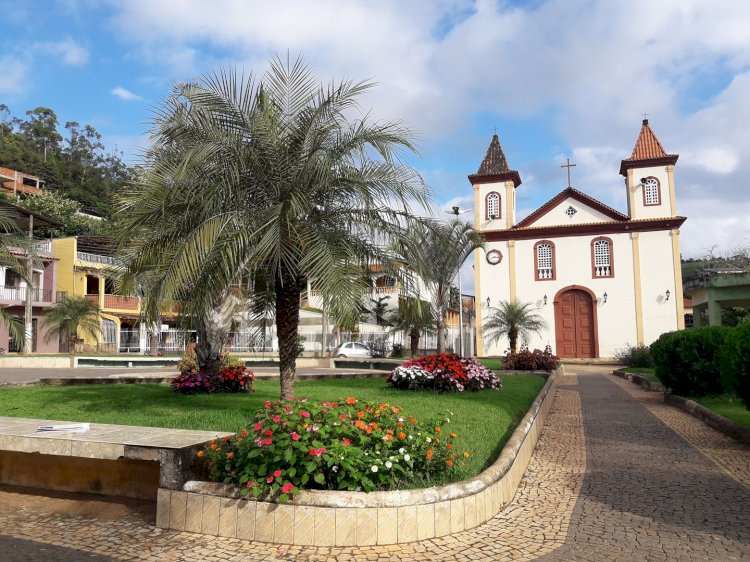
(614, 477)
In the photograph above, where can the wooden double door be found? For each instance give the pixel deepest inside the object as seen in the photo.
(575, 330)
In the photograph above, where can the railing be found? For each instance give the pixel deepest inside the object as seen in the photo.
(121, 303)
(93, 299)
(37, 295)
(386, 290)
(43, 246)
(602, 271)
(96, 258)
(545, 273)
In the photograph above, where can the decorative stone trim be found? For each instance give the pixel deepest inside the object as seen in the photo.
(640, 380)
(337, 518)
(710, 418)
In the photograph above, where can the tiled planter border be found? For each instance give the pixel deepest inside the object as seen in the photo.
(710, 418)
(332, 518)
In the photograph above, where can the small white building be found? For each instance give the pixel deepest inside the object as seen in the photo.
(600, 278)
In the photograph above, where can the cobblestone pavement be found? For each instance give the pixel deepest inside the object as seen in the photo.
(616, 475)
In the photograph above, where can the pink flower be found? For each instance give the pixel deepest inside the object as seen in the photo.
(258, 426)
(267, 404)
(276, 419)
(347, 442)
(287, 408)
(267, 432)
(269, 479)
(343, 416)
(249, 483)
(295, 436)
(326, 404)
(286, 488)
(317, 452)
(266, 442)
(277, 473)
(304, 414)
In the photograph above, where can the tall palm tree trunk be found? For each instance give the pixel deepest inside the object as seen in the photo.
(513, 339)
(212, 333)
(414, 341)
(440, 337)
(288, 291)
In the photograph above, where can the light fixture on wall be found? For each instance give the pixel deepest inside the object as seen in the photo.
(604, 296)
(667, 293)
(545, 300)
(488, 302)
(493, 216)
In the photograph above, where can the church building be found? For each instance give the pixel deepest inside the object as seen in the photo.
(600, 278)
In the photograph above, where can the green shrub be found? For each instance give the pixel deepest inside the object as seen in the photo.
(343, 445)
(638, 356)
(397, 350)
(735, 369)
(526, 360)
(188, 365)
(688, 362)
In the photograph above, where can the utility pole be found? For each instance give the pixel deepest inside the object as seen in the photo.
(28, 323)
(458, 211)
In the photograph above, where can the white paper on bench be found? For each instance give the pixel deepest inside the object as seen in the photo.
(69, 427)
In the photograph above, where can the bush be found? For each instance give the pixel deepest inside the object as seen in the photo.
(377, 347)
(735, 369)
(229, 379)
(526, 360)
(638, 356)
(688, 362)
(189, 362)
(344, 445)
(444, 372)
(397, 350)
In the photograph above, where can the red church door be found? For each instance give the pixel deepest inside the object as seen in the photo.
(574, 324)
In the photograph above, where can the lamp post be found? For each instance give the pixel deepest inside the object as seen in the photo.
(456, 210)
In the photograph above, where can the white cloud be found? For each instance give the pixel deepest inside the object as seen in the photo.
(69, 51)
(14, 75)
(124, 94)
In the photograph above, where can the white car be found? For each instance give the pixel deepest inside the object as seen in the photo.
(352, 349)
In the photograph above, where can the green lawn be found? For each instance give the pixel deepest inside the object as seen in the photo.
(483, 420)
(645, 372)
(492, 363)
(730, 407)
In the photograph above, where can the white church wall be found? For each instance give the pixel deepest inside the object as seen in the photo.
(506, 207)
(584, 214)
(495, 283)
(652, 211)
(657, 274)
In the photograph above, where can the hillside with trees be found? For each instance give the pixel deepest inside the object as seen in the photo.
(71, 158)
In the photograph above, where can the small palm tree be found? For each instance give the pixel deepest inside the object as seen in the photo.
(514, 319)
(413, 317)
(68, 317)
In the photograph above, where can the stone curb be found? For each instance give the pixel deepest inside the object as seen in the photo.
(337, 518)
(710, 418)
(640, 380)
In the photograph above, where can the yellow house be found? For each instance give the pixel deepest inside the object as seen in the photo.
(84, 268)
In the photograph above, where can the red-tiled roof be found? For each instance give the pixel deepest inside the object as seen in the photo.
(577, 195)
(647, 150)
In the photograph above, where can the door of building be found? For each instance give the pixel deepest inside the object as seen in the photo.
(574, 324)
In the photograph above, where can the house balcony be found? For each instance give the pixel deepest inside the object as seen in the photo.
(115, 303)
(16, 296)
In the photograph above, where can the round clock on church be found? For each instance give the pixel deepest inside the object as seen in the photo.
(494, 257)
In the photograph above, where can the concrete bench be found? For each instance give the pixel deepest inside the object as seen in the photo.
(115, 460)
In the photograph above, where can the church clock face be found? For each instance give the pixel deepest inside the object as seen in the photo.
(494, 257)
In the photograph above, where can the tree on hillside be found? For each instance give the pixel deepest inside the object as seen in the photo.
(514, 319)
(279, 180)
(436, 252)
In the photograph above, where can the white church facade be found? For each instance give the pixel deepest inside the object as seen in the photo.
(600, 278)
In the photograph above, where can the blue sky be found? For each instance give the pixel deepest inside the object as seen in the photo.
(558, 78)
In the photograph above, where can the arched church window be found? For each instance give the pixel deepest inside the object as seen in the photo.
(651, 192)
(602, 260)
(544, 260)
(492, 205)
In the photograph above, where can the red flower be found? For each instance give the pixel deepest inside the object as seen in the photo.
(347, 442)
(267, 432)
(269, 479)
(258, 426)
(295, 436)
(304, 414)
(267, 404)
(266, 442)
(277, 473)
(276, 419)
(317, 452)
(286, 488)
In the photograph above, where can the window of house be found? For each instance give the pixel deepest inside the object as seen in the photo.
(492, 204)
(544, 259)
(651, 192)
(602, 261)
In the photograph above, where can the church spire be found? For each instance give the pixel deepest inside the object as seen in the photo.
(494, 166)
(648, 151)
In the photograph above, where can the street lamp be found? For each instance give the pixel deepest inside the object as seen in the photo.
(456, 210)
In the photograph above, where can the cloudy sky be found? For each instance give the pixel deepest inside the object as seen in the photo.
(557, 78)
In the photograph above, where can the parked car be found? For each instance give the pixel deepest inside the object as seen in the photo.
(352, 349)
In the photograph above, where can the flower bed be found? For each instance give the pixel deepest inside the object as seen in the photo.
(445, 372)
(229, 379)
(526, 360)
(342, 445)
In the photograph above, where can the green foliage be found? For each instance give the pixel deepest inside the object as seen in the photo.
(188, 365)
(635, 356)
(397, 350)
(65, 210)
(514, 319)
(75, 164)
(526, 360)
(688, 362)
(71, 316)
(339, 445)
(735, 368)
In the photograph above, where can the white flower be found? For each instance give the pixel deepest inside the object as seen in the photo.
(374, 468)
(407, 458)
(388, 464)
(401, 450)
(400, 419)
(428, 440)
(335, 468)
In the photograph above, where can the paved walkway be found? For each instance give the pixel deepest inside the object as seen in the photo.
(617, 475)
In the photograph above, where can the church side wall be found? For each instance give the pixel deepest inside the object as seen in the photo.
(495, 283)
(657, 272)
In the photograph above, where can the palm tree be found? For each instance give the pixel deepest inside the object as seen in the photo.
(513, 319)
(69, 317)
(276, 181)
(413, 317)
(436, 251)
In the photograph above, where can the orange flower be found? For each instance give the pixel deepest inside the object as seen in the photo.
(200, 454)
(373, 425)
(449, 445)
(387, 437)
(213, 446)
(359, 424)
(401, 435)
(351, 400)
(369, 429)
(438, 430)
(449, 463)
(360, 414)
(394, 410)
(466, 454)
(453, 436)
(399, 424)
(429, 454)
(230, 455)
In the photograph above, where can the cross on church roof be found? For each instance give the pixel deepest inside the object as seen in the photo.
(568, 166)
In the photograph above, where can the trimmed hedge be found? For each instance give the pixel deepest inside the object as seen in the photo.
(689, 362)
(735, 369)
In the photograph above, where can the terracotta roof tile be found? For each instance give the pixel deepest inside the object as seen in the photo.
(572, 192)
(494, 160)
(647, 146)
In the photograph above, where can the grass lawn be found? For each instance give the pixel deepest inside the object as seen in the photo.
(483, 421)
(730, 407)
(645, 372)
(492, 363)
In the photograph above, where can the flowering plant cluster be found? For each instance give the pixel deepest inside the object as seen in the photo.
(229, 379)
(189, 362)
(444, 372)
(342, 445)
(526, 360)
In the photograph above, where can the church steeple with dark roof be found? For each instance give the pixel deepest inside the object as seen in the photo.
(494, 166)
